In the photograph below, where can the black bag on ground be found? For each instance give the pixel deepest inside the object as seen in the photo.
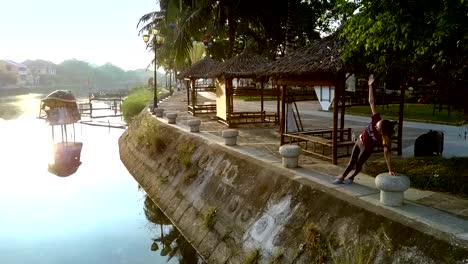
(429, 144)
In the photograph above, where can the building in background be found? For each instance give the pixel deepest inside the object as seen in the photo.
(20, 71)
(42, 71)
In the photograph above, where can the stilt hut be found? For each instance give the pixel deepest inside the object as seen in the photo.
(61, 111)
(199, 80)
(237, 77)
(315, 68)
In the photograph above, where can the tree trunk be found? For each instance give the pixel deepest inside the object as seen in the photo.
(291, 27)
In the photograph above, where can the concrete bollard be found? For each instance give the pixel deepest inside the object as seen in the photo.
(290, 154)
(158, 112)
(392, 188)
(230, 136)
(171, 117)
(194, 125)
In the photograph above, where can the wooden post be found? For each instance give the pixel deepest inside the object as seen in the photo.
(400, 119)
(187, 83)
(229, 101)
(342, 87)
(335, 125)
(278, 102)
(261, 96)
(283, 110)
(194, 96)
(231, 93)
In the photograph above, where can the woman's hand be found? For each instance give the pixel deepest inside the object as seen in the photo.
(391, 173)
(371, 79)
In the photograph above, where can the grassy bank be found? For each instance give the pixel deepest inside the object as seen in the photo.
(136, 101)
(430, 173)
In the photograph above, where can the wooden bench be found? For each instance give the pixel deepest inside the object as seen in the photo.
(253, 91)
(319, 146)
(238, 118)
(344, 133)
(202, 109)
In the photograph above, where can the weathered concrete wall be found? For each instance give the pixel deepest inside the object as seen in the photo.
(233, 208)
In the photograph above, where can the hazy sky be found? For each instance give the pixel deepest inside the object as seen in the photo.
(95, 31)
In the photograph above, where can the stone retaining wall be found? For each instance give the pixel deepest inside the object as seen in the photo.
(236, 209)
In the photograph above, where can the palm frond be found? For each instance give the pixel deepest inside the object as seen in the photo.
(151, 19)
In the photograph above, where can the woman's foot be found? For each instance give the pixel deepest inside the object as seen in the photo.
(348, 181)
(338, 180)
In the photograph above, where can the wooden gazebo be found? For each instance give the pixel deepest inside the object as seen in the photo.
(199, 80)
(237, 77)
(315, 68)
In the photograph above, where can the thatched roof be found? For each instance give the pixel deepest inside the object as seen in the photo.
(201, 69)
(245, 65)
(61, 108)
(321, 57)
(60, 95)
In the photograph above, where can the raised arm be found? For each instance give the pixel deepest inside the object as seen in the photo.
(371, 94)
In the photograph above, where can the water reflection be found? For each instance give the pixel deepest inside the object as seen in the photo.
(170, 241)
(66, 158)
(12, 107)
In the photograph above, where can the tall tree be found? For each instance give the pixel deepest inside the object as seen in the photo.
(394, 34)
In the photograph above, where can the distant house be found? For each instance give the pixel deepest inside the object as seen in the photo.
(42, 71)
(6, 78)
(21, 72)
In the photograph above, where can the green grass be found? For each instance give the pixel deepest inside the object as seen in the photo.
(421, 112)
(429, 173)
(136, 101)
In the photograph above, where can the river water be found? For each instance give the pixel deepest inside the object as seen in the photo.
(96, 215)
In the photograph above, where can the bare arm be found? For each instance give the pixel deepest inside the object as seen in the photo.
(387, 144)
(371, 94)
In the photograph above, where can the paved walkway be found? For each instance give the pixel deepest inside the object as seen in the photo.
(443, 212)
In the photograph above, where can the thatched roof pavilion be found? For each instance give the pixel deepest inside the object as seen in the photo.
(243, 66)
(318, 62)
(320, 65)
(200, 70)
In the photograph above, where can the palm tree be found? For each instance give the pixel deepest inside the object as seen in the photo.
(173, 243)
(233, 23)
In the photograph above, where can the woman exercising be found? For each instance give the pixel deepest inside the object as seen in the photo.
(377, 133)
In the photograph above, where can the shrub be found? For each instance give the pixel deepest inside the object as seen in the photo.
(185, 153)
(149, 137)
(136, 102)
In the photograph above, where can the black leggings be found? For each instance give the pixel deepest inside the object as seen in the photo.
(359, 156)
